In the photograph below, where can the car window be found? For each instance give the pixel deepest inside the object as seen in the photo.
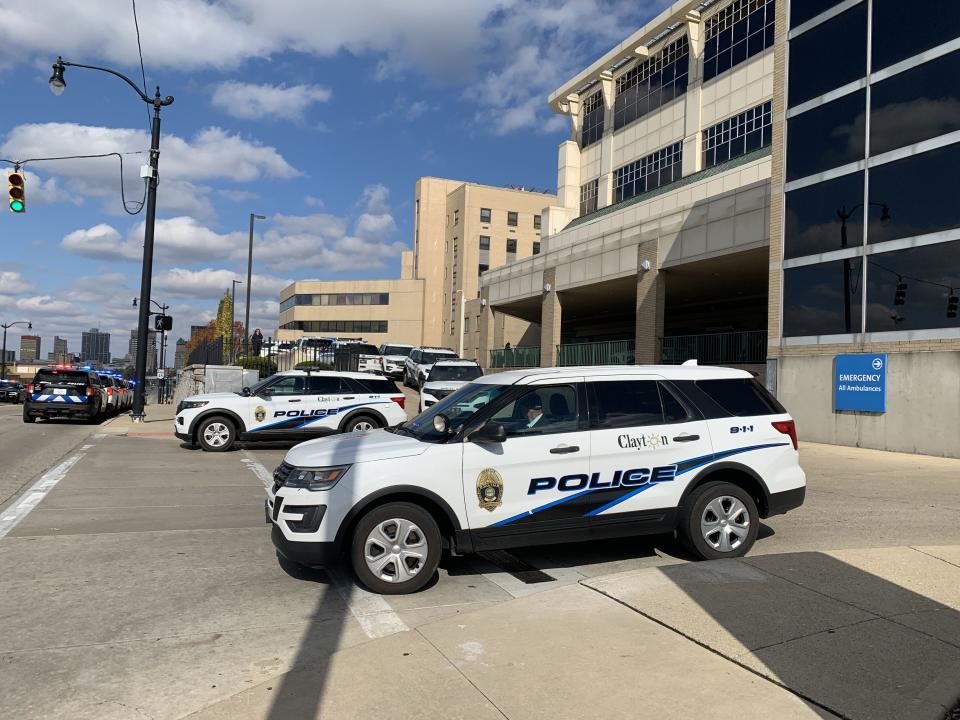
(365, 349)
(454, 373)
(540, 411)
(457, 408)
(60, 377)
(673, 410)
(378, 385)
(742, 397)
(396, 350)
(323, 386)
(292, 385)
(432, 357)
(626, 403)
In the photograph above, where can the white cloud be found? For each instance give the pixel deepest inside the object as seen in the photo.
(210, 283)
(290, 242)
(254, 102)
(211, 154)
(13, 283)
(313, 201)
(405, 109)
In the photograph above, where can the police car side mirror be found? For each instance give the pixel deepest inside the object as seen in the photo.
(245, 392)
(492, 432)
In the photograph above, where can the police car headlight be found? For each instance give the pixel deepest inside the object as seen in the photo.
(315, 478)
(192, 404)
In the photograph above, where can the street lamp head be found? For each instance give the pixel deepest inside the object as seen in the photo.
(884, 214)
(134, 302)
(259, 217)
(57, 83)
(29, 326)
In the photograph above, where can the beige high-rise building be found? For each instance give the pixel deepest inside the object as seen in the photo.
(459, 230)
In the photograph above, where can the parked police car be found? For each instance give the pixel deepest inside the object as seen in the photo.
(543, 456)
(418, 363)
(298, 404)
(445, 378)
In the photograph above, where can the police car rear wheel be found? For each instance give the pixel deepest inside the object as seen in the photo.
(216, 434)
(721, 521)
(28, 418)
(363, 423)
(396, 549)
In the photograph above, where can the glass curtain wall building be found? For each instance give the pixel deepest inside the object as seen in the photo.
(870, 217)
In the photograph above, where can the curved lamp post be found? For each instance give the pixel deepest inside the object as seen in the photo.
(3, 358)
(57, 85)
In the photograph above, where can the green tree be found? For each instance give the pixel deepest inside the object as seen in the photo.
(224, 324)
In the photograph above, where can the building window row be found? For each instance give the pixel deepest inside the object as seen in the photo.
(737, 135)
(336, 299)
(337, 326)
(593, 112)
(741, 30)
(648, 173)
(652, 83)
(588, 197)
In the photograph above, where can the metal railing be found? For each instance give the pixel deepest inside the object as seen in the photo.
(749, 346)
(610, 352)
(518, 357)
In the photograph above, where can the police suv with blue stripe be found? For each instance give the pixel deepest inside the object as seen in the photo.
(538, 456)
(298, 404)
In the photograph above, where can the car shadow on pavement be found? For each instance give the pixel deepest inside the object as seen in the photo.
(855, 644)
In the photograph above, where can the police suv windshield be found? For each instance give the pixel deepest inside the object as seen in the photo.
(458, 408)
(454, 373)
(396, 350)
(428, 358)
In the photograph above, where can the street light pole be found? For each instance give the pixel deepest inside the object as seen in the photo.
(246, 315)
(845, 215)
(3, 358)
(57, 86)
(233, 318)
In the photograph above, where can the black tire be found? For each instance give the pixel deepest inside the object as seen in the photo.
(27, 417)
(735, 533)
(406, 378)
(429, 535)
(221, 436)
(361, 420)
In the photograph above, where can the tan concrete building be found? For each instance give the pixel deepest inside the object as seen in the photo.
(460, 229)
(657, 247)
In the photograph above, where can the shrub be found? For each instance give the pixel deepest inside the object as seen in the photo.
(265, 366)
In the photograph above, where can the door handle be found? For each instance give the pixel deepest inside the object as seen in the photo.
(293, 401)
(686, 438)
(564, 449)
(350, 397)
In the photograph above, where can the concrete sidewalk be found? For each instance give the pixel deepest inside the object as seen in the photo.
(859, 634)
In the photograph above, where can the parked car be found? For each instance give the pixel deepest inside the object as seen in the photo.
(394, 356)
(547, 455)
(419, 362)
(445, 378)
(370, 360)
(10, 391)
(63, 392)
(293, 405)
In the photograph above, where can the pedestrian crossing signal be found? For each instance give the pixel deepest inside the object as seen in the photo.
(15, 192)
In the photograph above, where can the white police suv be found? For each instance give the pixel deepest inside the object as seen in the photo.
(445, 378)
(537, 456)
(297, 404)
(417, 365)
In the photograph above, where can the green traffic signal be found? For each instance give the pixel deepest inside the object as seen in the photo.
(16, 206)
(15, 191)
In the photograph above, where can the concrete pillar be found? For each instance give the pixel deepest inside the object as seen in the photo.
(568, 176)
(605, 181)
(651, 292)
(550, 320)
(693, 133)
(487, 335)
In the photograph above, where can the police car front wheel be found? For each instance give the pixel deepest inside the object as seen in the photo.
(721, 521)
(216, 434)
(361, 423)
(395, 548)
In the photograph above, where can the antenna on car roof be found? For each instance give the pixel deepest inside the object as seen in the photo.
(689, 363)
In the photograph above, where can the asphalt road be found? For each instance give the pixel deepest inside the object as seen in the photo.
(26, 450)
(145, 585)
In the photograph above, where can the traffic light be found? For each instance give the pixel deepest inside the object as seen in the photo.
(163, 322)
(15, 192)
(900, 295)
(952, 304)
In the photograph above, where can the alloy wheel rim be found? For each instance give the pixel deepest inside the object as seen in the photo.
(216, 434)
(725, 523)
(363, 426)
(395, 550)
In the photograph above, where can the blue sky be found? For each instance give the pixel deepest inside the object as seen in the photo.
(320, 115)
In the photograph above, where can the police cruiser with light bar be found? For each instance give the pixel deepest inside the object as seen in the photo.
(298, 404)
(538, 456)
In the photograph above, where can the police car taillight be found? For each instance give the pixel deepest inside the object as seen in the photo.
(110, 391)
(90, 390)
(30, 389)
(787, 427)
(400, 400)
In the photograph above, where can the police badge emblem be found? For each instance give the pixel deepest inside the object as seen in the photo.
(490, 489)
(260, 413)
